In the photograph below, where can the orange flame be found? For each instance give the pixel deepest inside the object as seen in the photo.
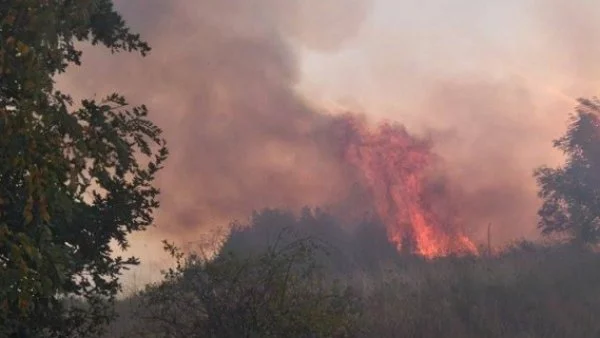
(394, 166)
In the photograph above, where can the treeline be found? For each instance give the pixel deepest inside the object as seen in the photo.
(286, 276)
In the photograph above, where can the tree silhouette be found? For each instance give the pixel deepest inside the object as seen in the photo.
(72, 180)
(571, 192)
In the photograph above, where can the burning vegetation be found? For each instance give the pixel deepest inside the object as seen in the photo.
(397, 169)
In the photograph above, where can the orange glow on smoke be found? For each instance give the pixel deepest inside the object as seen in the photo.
(394, 167)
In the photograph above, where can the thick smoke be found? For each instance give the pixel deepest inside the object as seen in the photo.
(491, 84)
(221, 83)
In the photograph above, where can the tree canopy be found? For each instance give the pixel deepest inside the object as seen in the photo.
(571, 192)
(73, 178)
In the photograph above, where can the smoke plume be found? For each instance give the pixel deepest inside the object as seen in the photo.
(491, 83)
(239, 86)
(220, 82)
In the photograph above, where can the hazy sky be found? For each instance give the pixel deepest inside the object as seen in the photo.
(405, 45)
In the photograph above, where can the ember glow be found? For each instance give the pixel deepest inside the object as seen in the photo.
(395, 167)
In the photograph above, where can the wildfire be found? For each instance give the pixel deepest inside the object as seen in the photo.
(394, 166)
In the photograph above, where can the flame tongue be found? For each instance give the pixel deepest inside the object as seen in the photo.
(394, 168)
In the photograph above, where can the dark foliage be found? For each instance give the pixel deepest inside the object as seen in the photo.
(71, 179)
(571, 192)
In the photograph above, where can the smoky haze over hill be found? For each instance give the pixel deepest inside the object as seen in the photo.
(223, 78)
